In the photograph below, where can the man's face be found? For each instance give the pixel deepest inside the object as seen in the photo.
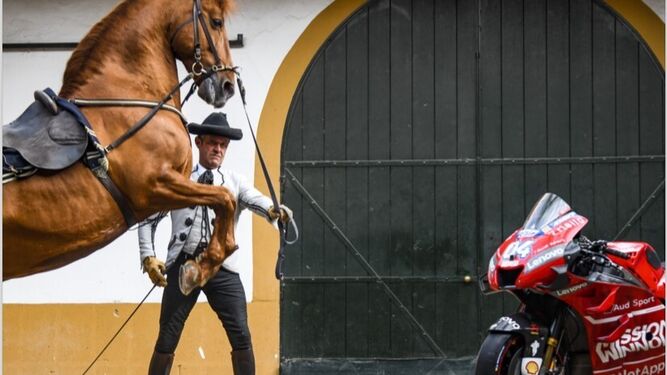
(212, 149)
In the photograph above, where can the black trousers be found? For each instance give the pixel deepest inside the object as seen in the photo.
(226, 297)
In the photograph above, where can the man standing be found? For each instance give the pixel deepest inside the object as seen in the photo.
(191, 231)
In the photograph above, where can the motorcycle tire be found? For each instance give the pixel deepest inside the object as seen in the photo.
(500, 354)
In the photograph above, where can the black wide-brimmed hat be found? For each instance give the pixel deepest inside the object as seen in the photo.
(216, 124)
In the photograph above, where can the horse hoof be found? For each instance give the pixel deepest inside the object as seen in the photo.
(188, 277)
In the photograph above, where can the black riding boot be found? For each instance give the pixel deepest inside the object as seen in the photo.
(160, 364)
(243, 362)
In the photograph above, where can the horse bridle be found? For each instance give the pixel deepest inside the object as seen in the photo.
(198, 68)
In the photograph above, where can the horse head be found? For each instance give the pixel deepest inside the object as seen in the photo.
(200, 41)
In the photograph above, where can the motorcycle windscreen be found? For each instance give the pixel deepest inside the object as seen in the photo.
(549, 208)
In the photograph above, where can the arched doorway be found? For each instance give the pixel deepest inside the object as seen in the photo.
(416, 141)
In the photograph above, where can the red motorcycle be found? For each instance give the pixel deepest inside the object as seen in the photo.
(587, 307)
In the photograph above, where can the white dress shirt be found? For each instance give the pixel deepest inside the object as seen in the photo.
(187, 228)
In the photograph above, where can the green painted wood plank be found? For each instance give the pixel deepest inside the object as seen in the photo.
(466, 50)
(357, 202)
(627, 126)
(445, 82)
(535, 108)
(604, 123)
(401, 178)
(400, 89)
(379, 145)
(490, 103)
(558, 100)
(312, 296)
(291, 338)
(651, 139)
(312, 320)
(581, 105)
(289, 195)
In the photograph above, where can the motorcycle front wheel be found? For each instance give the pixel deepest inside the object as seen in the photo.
(500, 354)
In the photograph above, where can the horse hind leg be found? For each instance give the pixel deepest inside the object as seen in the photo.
(180, 192)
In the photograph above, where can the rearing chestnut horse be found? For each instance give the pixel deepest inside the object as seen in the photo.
(52, 219)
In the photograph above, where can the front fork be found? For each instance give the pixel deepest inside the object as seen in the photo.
(555, 335)
(542, 342)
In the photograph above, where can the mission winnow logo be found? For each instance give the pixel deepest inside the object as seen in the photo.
(641, 338)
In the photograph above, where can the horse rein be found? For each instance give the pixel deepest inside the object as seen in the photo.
(272, 192)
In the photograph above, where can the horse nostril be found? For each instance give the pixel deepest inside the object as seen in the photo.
(228, 88)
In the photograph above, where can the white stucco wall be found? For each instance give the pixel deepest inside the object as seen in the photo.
(113, 274)
(658, 7)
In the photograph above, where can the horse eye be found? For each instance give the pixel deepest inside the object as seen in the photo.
(217, 22)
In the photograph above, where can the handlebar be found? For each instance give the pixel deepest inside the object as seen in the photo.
(600, 246)
(617, 253)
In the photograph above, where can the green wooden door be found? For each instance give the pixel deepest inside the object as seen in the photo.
(420, 136)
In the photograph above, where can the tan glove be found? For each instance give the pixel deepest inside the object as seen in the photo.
(155, 269)
(285, 213)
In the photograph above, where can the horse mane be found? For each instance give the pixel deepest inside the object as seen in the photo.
(86, 54)
(89, 56)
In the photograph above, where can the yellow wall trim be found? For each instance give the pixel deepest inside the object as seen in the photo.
(648, 24)
(63, 339)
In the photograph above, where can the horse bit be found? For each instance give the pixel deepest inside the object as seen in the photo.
(197, 67)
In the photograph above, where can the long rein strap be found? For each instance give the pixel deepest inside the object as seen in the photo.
(118, 331)
(272, 192)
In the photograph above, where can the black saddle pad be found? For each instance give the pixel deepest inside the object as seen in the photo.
(14, 166)
(12, 161)
(45, 140)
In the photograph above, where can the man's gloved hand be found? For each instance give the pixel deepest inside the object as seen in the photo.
(285, 213)
(155, 269)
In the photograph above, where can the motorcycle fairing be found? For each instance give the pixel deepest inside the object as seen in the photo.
(532, 253)
(644, 262)
(617, 319)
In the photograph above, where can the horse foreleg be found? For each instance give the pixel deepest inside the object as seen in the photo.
(177, 191)
(197, 272)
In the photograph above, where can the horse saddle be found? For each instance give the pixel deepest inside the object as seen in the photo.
(43, 136)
